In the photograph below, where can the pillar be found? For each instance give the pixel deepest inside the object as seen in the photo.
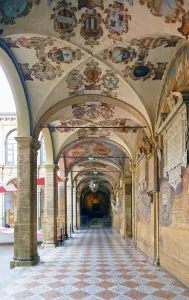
(50, 207)
(69, 208)
(61, 206)
(134, 211)
(66, 210)
(156, 210)
(25, 226)
(74, 207)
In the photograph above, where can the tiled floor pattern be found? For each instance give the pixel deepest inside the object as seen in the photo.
(96, 264)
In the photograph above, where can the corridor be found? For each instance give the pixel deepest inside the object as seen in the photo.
(95, 264)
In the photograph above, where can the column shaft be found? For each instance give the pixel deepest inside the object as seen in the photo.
(25, 226)
(50, 207)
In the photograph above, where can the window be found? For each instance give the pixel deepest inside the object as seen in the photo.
(11, 149)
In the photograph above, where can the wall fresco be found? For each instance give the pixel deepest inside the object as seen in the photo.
(98, 149)
(172, 11)
(93, 110)
(93, 132)
(11, 10)
(165, 203)
(143, 205)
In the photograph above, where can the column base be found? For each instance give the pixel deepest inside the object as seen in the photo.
(25, 263)
(134, 243)
(156, 262)
(46, 245)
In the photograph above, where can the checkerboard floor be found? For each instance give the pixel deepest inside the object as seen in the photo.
(95, 264)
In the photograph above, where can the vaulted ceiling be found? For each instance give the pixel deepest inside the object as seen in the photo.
(94, 63)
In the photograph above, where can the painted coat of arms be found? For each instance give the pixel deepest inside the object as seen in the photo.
(91, 30)
(117, 20)
(64, 55)
(110, 81)
(64, 20)
(120, 54)
(92, 73)
(46, 71)
(75, 82)
(11, 10)
(90, 4)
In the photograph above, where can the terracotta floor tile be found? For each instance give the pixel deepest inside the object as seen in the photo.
(78, 295)
(136, 294)
(164, 294)
(155, 284)
(107, 295)
(23, 295)
(51, 295)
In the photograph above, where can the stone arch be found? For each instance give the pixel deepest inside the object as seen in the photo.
(19, 90)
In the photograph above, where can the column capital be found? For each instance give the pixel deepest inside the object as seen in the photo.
(26, 142)
(52, 167)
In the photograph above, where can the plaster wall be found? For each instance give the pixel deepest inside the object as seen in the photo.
(174, 198)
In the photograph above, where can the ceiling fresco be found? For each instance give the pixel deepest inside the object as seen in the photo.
(94, 149)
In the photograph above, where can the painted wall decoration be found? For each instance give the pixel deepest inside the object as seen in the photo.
(172, 11)
(121, 122)
(92, 76)
(152, 43)
(120, 54)
(176, 81)
(186, 193)
(46, 71)
(138, 51)
(117, 20)
(143, 208)
(165, 203)
(26, 72)
(145, 71)
(43, 69)
(92, 149)
(91, 30)
(11, 10)
(68, 124)
(79, 84)
(34, 42)
(94, 132)
(64, 19)
(93, 110)
(64, 55)
(144, 144)
(90, 4)
(75, 83)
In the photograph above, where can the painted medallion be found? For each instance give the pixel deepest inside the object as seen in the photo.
(64, 55)
(120, 54)
(117, 20)
(11, 10)
(45, 71)
(91, 30)
(139, 71)
(74, 80)
(110, 81)
(64, 19)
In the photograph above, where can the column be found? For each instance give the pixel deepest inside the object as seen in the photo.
(50, 207)
(61, 207)
(66, 210)
(25, 226)
(156, 209)
(69, 208)
(134, 212)
(74, 207)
